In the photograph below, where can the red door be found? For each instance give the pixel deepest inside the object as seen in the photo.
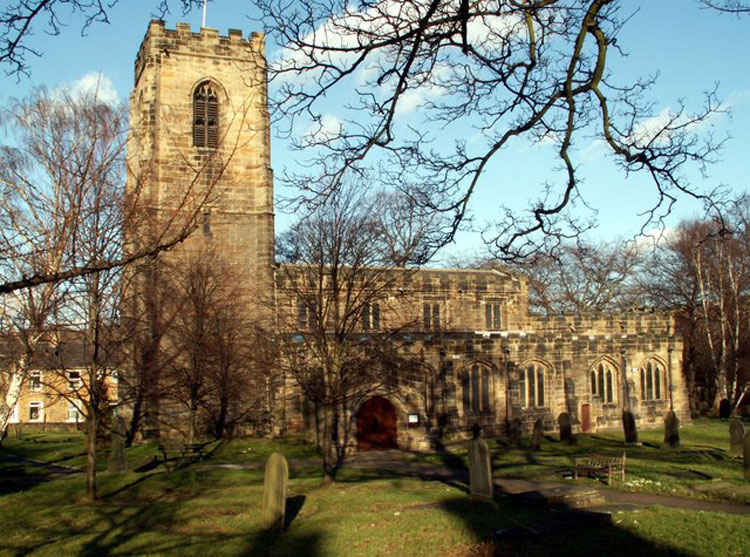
(376, 425)
(585, 418)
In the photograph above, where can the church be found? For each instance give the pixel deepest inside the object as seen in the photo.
(200, 141)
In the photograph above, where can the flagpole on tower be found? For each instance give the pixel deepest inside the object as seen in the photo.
(204, 13)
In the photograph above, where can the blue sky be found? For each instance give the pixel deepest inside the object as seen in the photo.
(691, 48)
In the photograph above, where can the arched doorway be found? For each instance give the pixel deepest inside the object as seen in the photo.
(376, 425)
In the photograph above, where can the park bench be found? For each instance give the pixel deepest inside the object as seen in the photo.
(178, 448)
(600, 466)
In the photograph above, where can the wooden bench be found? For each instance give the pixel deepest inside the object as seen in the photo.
(600, 466)
(178, 448)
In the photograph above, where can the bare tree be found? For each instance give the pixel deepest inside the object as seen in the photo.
(342, 311)
(703, 271)
(215, 362)
(498, 71)
(585, 277)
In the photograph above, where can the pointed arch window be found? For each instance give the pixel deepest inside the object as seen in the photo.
(476, 390)
(206, 116)
(603, 382)
(532, 385)
(653, 381)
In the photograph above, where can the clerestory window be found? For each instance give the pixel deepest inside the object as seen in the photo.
(206, 116)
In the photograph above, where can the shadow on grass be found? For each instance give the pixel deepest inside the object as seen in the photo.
(504, 528)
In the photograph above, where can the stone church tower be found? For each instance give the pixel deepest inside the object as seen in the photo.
(199, 146)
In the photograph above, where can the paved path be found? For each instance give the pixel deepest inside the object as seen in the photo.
(400, 463)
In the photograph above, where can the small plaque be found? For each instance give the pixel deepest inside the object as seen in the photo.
(413, 419)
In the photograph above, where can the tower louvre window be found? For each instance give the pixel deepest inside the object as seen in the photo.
(206, 117)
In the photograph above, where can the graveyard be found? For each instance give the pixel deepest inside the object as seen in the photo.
(383, 503)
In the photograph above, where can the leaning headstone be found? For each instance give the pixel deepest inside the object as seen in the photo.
(736, 437)
(537, 435)
(480, 469)
(725, 409)
(118, 463)
(746, 456)
(566, 428)
(274, 493)
(672, 430)
(629, 427)
(514, 432)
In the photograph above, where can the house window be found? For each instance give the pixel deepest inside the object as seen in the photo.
(35, 381)
(653, 381)
(493, 315)
(371, 317)
(431, 316)
(35, 411)
(306, 314)
(74, 380)
(73, 414)
(532, 385)
(475, 390)
(206, 117)
(603, 381)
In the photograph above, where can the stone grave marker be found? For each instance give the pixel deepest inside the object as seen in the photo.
(514, 432)
(629, 427)
(746, 456)
(537, 435)
(566, 427)
(274, 493)
(671, 430)
(480, 469)
(736, 437)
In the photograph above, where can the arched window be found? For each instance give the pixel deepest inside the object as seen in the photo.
(604, 382)
(206, 116)
(653, 381)
(476, 389)
(532, 385)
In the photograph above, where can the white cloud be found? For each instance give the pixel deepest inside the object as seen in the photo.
(328, 127)
(97, 85)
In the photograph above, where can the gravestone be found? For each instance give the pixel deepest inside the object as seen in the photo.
(274, 493)
(725, 409)
(118, 463)
(480, 469)
(736, 437)
(537, 435)
(514, 432)
(672, 430)
(629, 427)
(566, 428)
(703, 408)
(746, 456)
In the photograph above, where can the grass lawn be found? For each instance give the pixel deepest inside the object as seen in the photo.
(701, 468)
(187, 511)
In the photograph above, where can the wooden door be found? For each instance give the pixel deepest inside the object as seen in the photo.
(585, 418)
(376, 425)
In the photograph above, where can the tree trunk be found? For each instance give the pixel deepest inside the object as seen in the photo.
(92, 428)
(329, 448)
(221, 421)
